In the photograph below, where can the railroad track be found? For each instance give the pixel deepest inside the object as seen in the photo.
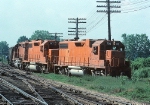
(14, 95)
(85, 97)
(70, 95)
(19, 90)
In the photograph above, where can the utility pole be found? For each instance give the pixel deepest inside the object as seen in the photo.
(56, 35)
(76, 30)
(109, 11)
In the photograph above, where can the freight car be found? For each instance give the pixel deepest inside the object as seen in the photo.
(70, 57)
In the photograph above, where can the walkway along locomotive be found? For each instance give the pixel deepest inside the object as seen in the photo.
(70, 57)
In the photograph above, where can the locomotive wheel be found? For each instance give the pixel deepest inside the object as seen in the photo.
(56, 70)
(19, 66)
(22, 67)
(113, 72)
(87, 72)
(92, 72)
(61, 71)
(67, 72)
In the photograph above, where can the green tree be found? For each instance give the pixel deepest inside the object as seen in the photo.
(41, 34)
(136, 45)
(22, 39)
(4, 48)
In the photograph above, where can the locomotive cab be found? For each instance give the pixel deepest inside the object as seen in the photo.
(48, 49)
(36, 55)
(115, 54)
(108, 58)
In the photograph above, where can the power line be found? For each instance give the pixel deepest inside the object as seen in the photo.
(135, 3)
(134, 10)
(135, 6)
(96, 23)
(93, 21)
(92, 17)
(124, 11)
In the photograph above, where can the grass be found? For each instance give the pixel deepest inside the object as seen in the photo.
(121, 86)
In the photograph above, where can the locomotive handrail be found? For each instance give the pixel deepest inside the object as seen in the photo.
(71, 60)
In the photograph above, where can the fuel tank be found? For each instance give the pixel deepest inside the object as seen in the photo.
(74, 67)
(34, 67)
(76, 72)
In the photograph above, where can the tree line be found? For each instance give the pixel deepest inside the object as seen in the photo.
(38, 34)
(136, 46)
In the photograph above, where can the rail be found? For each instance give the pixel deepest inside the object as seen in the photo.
(57, 90)
(12, 87)
(65, 95)
(7, 101)
(33, 90)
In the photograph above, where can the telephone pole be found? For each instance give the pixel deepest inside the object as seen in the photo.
(56, 35)
(109, 11)
(76, 30)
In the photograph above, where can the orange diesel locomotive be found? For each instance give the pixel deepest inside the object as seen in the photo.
(34, 55)
(70, 57)
(96, 57)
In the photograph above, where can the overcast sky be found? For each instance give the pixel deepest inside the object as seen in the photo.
(23, 17)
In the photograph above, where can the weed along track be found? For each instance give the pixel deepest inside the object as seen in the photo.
(17, 87)
(86, 97)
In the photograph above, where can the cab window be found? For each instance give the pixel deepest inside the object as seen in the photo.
(95, 50)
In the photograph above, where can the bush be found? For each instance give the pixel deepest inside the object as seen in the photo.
(140, 63)
(146, 62)
(137, 63)
(138, 94)
(142, 73)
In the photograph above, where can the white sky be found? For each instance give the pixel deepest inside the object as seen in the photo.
(23, 17)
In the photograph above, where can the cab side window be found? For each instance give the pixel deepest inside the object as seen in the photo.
(95, 50)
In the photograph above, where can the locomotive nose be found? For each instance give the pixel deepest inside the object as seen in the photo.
(115, 58)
